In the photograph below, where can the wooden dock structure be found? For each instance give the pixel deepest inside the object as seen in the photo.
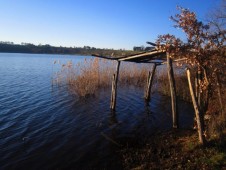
(156, 58)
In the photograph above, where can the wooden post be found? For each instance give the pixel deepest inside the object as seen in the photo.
(219, 94)
(196, 108)
(112, 91)
(149, 83)
(172, 91)
(196, 86)
(114, 87)
(199, 77)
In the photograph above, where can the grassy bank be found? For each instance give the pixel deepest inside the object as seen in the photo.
(174, 150)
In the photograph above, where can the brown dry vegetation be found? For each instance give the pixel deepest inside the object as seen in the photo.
(182, 89)
(216, 124)
(86, 77)
(177, 149)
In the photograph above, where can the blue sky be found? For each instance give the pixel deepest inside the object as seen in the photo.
(97, 23)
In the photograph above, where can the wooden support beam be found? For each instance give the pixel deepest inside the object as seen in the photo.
(176, 60)
(114, 87)
(219, 94)
(196, 108)
(149, 83)
(172, 91)
(150, 55)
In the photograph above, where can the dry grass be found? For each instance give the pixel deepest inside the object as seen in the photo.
(182, 89)
(178, 149)
(216, 123)
(86, 77)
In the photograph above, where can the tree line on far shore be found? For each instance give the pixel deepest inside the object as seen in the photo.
(10, 47)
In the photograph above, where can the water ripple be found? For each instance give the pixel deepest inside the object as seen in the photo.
(47, 127)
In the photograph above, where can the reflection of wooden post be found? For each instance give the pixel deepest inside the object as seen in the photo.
(149, 83)
(172, 91)
(114, 87)
(196, 108)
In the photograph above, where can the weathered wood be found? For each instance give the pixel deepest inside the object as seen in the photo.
(196, 86)
(219, 94)
(149, 83)
(151, 43)
(151, 55)
(176, 60)
(199, 77)
(112, 91)
(114, 87)
(196, 96)
(105, 57)
(196, 108)
(172, 91)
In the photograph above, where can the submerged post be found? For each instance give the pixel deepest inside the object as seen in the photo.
(149, 83)
(114, 87)
(172, 91)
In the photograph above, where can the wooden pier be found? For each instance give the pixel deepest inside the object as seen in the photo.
(155, 58)
(159, 57)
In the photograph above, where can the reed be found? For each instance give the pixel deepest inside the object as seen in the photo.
(88, 76)
(182, 89)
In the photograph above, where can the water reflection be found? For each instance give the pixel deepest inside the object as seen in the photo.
(113, 118)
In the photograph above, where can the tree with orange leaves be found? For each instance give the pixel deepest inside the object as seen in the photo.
(204, 50)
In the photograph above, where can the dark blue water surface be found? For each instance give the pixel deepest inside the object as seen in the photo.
(45, 127)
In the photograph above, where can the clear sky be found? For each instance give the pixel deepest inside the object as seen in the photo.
(97, 23)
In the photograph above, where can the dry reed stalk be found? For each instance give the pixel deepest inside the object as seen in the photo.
(182, 88)
(89, 75)
(86, 77)
(134, 74)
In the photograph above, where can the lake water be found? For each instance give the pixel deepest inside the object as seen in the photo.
(45, 127)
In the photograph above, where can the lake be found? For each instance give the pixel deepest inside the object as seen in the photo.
(43, 126)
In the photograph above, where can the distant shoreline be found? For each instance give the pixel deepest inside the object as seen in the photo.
(44, 53)
(48, 49)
